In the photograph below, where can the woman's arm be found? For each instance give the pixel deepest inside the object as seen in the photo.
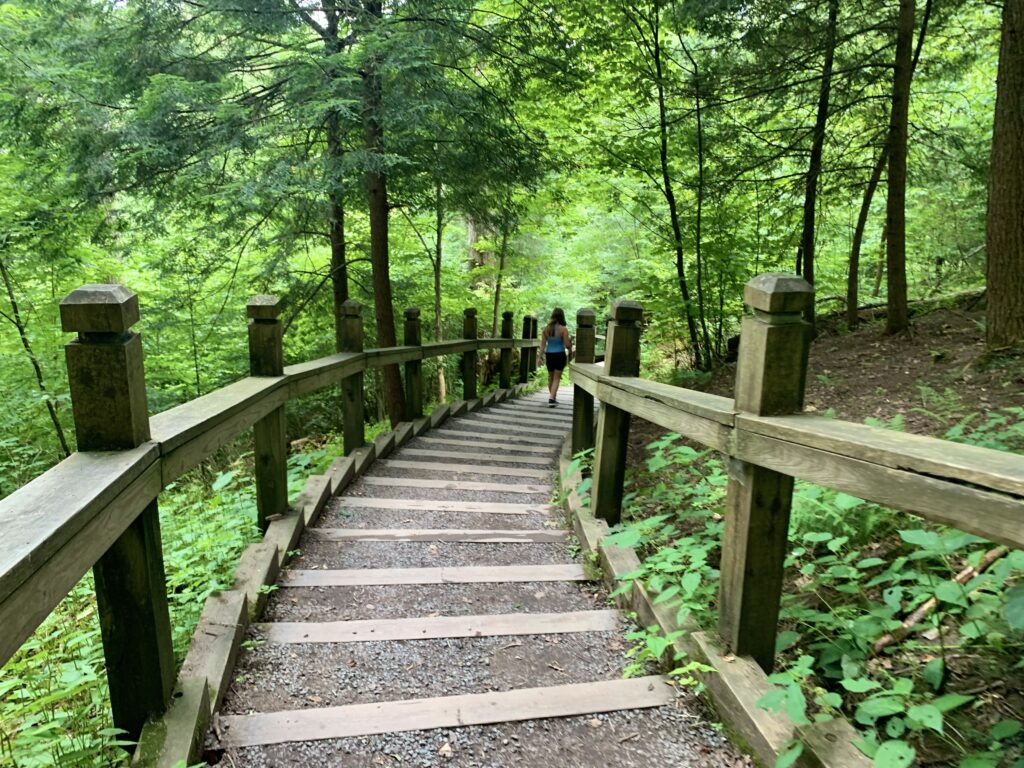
(568, 341)
(543, 339)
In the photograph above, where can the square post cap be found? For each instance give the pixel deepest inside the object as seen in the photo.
(778, 293)
(586, 318)
(506, 315)
(412, 313)
(469, 312)
(99, 308)
(626, 311)
(350, 308)
(263, 307)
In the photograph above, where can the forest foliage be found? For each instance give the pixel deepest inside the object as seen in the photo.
(497, 154)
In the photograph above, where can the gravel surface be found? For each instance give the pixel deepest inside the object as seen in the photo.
(275, 677)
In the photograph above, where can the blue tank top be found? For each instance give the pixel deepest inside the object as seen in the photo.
(555, 343)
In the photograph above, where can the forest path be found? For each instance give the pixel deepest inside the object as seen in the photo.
(438, 614)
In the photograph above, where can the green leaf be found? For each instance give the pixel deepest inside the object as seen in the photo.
(951, 701)
(894, 754)
(1014, 609)
(1004, 729)
(933, 673)
(859, 685)
(951, 592)
(222, 481)
(869, 710)
(920, 538)
(785, 640)
(846, 502)
(926, 715)
(690, 582)
(789, 755)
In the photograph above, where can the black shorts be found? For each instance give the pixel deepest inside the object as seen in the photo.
(555, 361)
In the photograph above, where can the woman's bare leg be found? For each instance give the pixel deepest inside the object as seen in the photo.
(556, 380)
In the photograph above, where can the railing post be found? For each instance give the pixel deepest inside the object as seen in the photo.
(108, 401)
(772, 366)
(266, 358)
(413, 368)
(505, 372)
(533, 350)
(469, 358)
(622, 359)
(353, 432)
(524, 353)
(583, 401)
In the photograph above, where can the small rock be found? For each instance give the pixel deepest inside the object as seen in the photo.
(445, 750)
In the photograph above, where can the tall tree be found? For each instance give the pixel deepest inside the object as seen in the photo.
(1004, 224)
(897, 317)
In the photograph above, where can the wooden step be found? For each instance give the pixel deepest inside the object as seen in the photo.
(469, 434)
(454, 485)
(466, 469)
(460, 535)
(472, 443)
(511, 426)
(472, 574)
(438, 627)
(436, 454)
(438, 505)
(444, 712)
(526, 420)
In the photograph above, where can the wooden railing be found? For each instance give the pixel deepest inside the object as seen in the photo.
(98, 508)
(768, 442)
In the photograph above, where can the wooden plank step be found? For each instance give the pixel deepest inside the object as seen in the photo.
(438, 627)
(467, 469)
(510, 447)
(438, 505)
(462, 535)
(444, 711)
(526, 420)
(454, 485)
(469, 434)
(470, 574)
(430, 453)
(512, 427)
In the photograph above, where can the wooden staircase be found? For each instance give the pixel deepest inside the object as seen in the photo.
(440, 592)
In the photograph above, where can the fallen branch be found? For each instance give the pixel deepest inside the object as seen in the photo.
(930, 604)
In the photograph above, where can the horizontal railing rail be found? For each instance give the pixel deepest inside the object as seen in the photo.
(65, 521)
(769, 442)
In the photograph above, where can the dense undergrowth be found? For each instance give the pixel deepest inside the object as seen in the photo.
(54, 705)
(948, 693)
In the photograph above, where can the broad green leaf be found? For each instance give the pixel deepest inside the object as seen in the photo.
(859, 685)
(933, 673)
(1004, 729)
(869, 710)
(894, 754)
(920, 538)
(1014, 610)
(789, 755)
(926, 715)
(951, 701)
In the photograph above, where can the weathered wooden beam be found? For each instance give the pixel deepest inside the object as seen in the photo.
(414, 368)
(353, 427)
(469, 331)
(108, 400)
(583, 401)
(505, 365)
(613, 423)
(310, 376)
(774, 345)
(266, 358)
(524, 354)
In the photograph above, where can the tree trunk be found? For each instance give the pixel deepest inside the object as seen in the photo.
(817, 147)
(853, 278)
(497, 281)
(667, 190)
(698, 241)
(898, 319)
(442, 384)
(1004, 223)
(339, 265)
(880, 264)
(26, 344)
(376, 189)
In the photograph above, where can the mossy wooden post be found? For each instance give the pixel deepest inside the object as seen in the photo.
(354, 434)
(524, 353)
(533, 350)
(774, 342)
(266, 358)
(505, 371)
(413, 368)
(469, 358)
(583, 401)
(621, 359)
(108, 402)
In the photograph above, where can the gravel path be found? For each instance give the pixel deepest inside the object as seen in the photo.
(278, 677)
